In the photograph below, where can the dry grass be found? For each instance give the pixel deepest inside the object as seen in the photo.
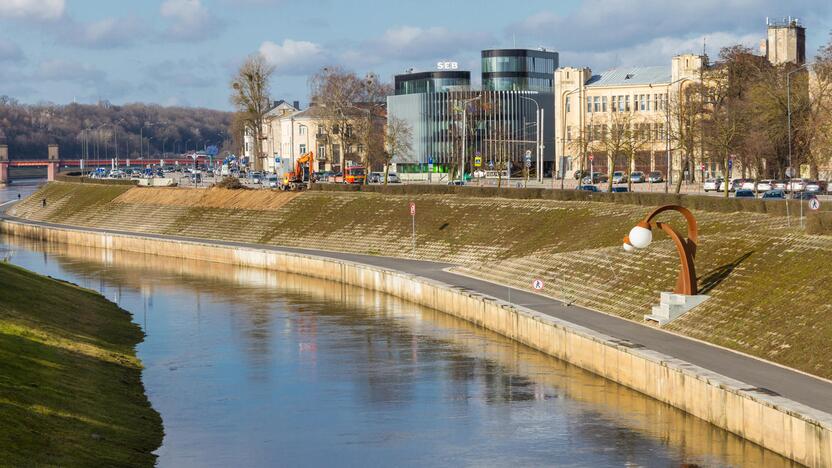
(211, 198)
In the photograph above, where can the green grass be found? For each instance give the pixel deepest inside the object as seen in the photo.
(70, 383)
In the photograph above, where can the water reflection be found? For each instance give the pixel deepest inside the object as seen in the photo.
(253, 367)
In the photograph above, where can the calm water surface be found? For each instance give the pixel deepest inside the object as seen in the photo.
(256, 368)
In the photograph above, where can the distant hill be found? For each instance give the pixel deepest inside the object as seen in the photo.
(100, 129)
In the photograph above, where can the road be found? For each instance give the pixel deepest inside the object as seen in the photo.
(760, 375)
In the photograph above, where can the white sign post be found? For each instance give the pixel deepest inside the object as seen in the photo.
(814, 204)
(537, 284)
(413, 221)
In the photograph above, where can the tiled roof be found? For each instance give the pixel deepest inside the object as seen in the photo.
(632, 76)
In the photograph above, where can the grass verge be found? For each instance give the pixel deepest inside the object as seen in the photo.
(70, 382)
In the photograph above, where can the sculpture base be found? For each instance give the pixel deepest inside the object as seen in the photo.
(672, 306)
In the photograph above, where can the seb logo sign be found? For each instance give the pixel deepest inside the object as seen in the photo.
(447, 66)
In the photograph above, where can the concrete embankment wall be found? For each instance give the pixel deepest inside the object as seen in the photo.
(778, 424)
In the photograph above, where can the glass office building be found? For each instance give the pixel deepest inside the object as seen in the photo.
(519, 70)
(431, 82)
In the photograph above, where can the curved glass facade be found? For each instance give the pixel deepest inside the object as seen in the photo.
(518, 70)
(431, 82)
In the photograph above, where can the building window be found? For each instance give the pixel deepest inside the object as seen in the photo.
(627, 103)
(649, 103)
(568, 102)
(614, 104)
(302, 130)
(321, 152)
(596, 104)
(303, 149)
(568, 133)
(603, 104)
(589, 104)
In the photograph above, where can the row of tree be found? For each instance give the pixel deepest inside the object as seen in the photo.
(742, 114)
(106, 131)
(350, 110)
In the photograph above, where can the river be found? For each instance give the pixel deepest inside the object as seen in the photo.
(255, 368)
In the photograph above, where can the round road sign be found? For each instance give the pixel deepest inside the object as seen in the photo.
(412, 209)
(591, 157)
(537, 284)
(814, 204)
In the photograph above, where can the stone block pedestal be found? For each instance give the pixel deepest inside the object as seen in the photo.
(672, 306)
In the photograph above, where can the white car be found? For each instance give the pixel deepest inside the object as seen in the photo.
(712, 185)
(797, 185)
(748, 184)
(814, 186)
(765, 185)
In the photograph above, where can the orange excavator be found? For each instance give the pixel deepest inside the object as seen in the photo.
(297, 179)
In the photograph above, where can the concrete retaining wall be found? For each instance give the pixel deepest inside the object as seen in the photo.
(778, 424)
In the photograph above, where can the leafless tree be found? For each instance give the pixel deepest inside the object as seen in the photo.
(398, 137)
(250, 96)
(611, 139)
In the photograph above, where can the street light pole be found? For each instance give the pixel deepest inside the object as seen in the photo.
(539, 149)
(563, 139)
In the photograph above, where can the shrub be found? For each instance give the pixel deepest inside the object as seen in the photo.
(231, 183)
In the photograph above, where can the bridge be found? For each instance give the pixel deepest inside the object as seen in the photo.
(54, 163)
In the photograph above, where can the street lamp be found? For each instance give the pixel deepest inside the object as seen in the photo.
(641, 236)
(539, 117)
(667, 133)
(789, 110)
(563, 136)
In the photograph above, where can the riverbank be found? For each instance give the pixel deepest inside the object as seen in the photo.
(779, 409)
(69, 378)
(745, 259)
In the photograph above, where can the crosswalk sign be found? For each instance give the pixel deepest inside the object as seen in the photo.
(478, 161)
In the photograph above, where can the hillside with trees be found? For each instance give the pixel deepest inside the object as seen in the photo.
(105, 130)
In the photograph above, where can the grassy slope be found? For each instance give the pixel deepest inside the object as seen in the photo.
(766, 280)
(70, 383)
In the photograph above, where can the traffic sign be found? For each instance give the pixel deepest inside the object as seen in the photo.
(730, 163)
(491, 164)
(412, 209)
(591, 157)
(478, 161)
(703, 167)
(814, 204)
(528, 163)
(537, 284)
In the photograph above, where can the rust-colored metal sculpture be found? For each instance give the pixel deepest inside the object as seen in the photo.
(641, 236)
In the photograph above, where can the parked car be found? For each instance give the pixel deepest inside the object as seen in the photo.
(744, 193)
(271, 180)
(655, 177)
(579, 174)
(392, 178)
(815, 186)
(780, 185)
(456, 182)
(588, 188)
(775, 194)
(619, 190)
(255, 177)
(804, 196)
(375, 178)
(765, 185)
(797, 185)
(637, 177)
(712, 185)
(619, 177)
(748, 184)
(597, 178)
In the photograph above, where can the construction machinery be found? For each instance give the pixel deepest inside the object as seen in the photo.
(298, 177)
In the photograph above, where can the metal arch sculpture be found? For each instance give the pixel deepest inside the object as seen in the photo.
(641, 236)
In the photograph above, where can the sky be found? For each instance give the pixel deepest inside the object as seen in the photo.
(184, 52)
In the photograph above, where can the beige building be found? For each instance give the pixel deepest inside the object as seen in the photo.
(587, 106)
(289, 133)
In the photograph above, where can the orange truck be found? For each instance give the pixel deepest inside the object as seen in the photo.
(355, 175)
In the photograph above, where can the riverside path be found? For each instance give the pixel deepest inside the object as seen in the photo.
(761, 376)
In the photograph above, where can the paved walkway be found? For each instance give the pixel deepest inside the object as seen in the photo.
(759, 375)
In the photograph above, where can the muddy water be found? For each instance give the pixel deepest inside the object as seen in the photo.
(256, 368)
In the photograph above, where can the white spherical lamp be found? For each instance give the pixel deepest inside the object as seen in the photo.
(640, 237)
(629, 247)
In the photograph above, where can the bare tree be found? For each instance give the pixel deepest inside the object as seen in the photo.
(398, 137)
(611, 139)
(637, 136)
(250, 96)
(683, 113)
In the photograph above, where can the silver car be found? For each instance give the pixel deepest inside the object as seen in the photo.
(765, 185)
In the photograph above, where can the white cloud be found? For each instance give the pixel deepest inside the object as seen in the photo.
(41, 10)
(10, 52)
(189, 20)
(417, 43)
(294, 57)
(103, 34)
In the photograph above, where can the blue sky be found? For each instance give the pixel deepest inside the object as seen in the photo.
(184, 52)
